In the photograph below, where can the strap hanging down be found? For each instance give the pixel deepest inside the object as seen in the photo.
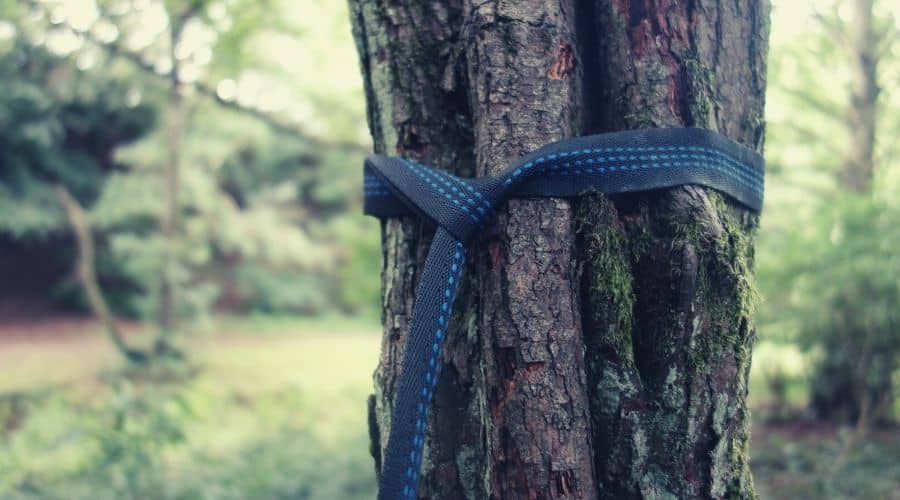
(620, 162)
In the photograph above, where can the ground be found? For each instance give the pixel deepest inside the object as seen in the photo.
(274, 408)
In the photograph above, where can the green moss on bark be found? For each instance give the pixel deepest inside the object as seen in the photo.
(606, 275)
(700, 82)
(668, 297)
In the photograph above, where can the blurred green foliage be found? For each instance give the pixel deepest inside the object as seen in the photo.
(57, 125)
(857, 279)
(828, 258)
(268, 218)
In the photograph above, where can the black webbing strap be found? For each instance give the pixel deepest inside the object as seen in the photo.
(638, 160)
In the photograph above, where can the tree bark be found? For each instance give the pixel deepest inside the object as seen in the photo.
(600, 347)
(668, 275)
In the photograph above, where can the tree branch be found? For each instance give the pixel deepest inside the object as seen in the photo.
(832, 27)
(207, 90)
(87, 275)
(824, 108)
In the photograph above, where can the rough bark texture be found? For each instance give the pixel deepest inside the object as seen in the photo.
(418, 106)
(525, 93)
(596, 351)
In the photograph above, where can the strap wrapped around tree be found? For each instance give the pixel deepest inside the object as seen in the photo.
(613, 163)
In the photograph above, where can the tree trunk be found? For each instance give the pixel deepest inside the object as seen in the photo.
(859, 166)
(169, 225)
(87, 275)
(167, 314)
(600, 347)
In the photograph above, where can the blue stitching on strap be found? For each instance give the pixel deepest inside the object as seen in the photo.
(431, 376)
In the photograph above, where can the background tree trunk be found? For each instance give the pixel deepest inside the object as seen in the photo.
(170, 223)
(601, 347)
(87, 275)
(865, 44)
(847, 387)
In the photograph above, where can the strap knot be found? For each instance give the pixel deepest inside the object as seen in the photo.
(461, 206)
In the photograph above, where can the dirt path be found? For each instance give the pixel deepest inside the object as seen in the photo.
(51, 351)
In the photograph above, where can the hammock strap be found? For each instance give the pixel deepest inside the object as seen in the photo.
(620, 162)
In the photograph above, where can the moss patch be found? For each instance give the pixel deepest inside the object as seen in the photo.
(606, 275)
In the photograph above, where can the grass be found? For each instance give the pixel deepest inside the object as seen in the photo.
(277, 415)
(798, 460)
(275, 408)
